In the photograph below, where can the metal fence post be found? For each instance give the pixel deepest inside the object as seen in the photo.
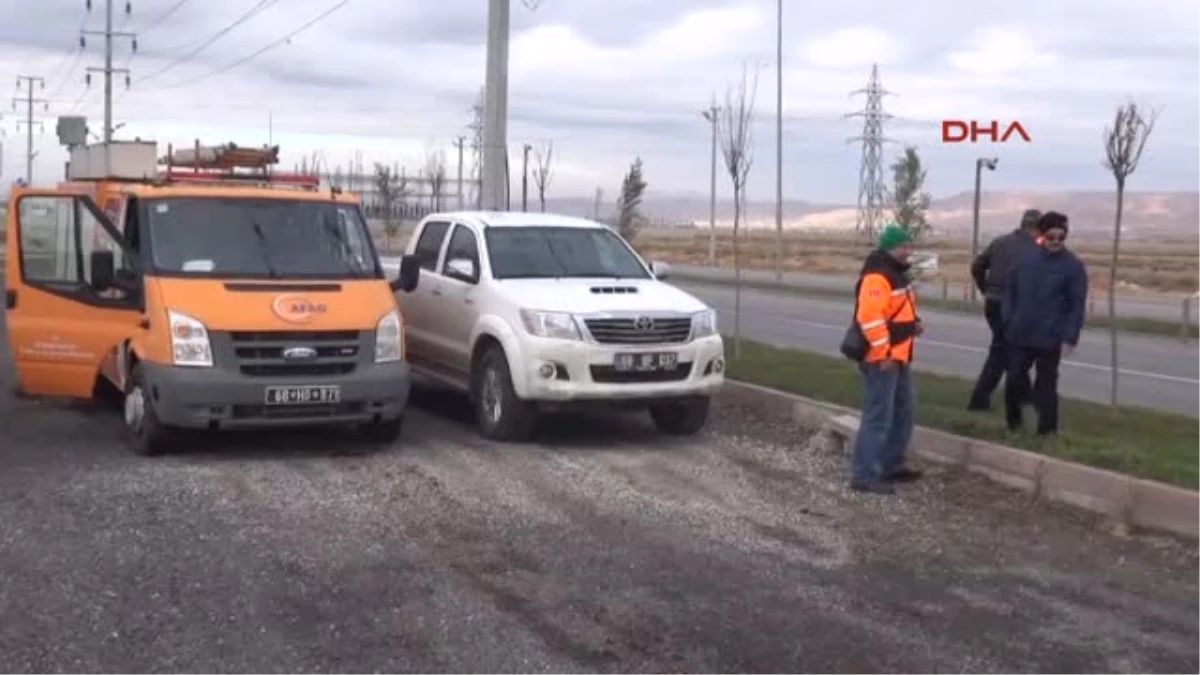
(1185, 328)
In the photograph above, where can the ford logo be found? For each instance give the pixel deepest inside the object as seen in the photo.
(299, 353)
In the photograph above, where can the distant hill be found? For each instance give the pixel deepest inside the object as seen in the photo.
(1157, 216)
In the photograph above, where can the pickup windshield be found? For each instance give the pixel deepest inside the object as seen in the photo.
(555, 252)
(267, 238)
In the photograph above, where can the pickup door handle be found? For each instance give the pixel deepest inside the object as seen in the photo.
(436, 291)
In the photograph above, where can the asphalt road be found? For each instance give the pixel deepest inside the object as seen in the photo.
(1155, 372)
(602, 548)
(1143, 308)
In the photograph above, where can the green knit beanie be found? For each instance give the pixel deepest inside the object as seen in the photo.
(893, 236)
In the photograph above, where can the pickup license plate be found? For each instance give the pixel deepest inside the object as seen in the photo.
(646, 362)
(303, 395)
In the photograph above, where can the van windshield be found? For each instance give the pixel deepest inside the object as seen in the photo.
(555, 252)
(268, 238)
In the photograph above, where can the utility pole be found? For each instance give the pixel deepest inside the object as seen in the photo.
(779, 144)
(712, 114)
(29, 101)
(596, 207)
(458, 143)
(525, 177)
(979, 166)
(108, 69)
(495, 108)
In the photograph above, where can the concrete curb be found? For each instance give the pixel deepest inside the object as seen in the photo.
(1120, 498)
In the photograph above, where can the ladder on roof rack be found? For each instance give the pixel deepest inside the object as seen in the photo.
(220, 163)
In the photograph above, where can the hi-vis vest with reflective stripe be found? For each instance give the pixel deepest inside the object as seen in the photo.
(887, 314)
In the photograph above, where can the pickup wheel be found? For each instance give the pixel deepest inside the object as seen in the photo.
(681, 418)
(147, 435)
(499, 412)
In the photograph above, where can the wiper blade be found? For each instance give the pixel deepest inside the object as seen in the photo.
(266, 251)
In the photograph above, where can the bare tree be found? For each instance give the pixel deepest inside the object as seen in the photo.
(1123, 145)
(543, 170)
(435, 173)
(389, 190)
(629, 204)
(737, 147)
(338, 179)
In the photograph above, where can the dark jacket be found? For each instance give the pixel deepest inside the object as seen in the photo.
(991, 268)
(1045, 300)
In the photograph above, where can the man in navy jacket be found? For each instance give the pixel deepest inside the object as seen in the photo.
(1043, 309)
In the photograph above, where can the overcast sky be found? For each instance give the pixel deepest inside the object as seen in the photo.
(608, 80)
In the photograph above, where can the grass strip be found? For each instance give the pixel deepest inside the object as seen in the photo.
(1136, 441)
(1125, 324)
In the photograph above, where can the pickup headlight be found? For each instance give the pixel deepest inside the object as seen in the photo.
(704, 323)
(550, 324)
(389, 338)
(189, 341)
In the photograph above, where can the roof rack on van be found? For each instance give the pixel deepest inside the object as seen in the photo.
(229, 163)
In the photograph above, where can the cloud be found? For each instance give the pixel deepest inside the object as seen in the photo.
(610, 80)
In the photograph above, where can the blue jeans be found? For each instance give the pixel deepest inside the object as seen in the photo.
(886, 426)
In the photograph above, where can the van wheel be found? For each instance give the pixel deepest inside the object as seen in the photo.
(383, 432)
(500, 414)
(681, 418)
(146, 434)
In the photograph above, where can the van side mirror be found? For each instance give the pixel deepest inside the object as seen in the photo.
(660, 270)
(410, 274)
(103, 268)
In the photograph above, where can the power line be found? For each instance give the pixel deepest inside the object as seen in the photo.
(254, 11)
(262, 51)
(164, 16)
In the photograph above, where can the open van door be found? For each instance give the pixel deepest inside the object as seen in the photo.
(64, 311)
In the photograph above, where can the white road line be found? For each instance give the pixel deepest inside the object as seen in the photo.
(981, 350)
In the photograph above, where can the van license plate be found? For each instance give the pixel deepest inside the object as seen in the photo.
(302, 395)
(646, 362)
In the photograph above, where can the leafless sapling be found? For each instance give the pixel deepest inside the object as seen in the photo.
(543, 170)
(737, 147)
(1123, 145)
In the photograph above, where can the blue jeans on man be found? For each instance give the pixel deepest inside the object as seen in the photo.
(885, 429)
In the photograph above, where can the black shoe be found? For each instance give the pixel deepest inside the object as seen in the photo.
(872, 487)
(904, 475)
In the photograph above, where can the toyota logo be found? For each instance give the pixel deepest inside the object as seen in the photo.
(299, 353)
(644, 323)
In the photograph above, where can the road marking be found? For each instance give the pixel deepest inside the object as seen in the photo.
(982, 350)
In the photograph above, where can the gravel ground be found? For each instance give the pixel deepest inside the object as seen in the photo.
(602, 548)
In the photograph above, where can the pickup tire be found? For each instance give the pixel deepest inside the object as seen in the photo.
(147, 435)
(681, 418)
(499, 412)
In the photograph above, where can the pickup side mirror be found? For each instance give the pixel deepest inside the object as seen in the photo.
(463, 270)
(103, 270)
(660, 270)
(410, 274)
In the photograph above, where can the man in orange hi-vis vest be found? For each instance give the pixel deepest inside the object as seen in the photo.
(887, 315)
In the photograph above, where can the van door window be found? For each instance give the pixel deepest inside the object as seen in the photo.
(58, 235)
(429, 246)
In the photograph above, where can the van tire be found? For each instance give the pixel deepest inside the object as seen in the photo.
(147, 435)
(383, 432)
(681, 418)
(500, 414)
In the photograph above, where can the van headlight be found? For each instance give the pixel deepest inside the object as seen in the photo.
(704, 323)
(550, 324)
(189, 341)
(389, 338)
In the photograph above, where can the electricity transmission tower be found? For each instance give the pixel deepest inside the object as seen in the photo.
(871, 188)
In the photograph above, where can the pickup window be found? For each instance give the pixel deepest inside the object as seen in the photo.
(556, 252)
(429, 246)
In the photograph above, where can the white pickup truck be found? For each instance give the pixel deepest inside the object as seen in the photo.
(533, 311)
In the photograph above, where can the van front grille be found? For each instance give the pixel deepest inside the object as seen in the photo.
(296, 353)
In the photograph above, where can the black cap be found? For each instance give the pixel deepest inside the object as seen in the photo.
(1052, 220)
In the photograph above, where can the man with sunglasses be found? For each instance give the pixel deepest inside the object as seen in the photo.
(1043, 312)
